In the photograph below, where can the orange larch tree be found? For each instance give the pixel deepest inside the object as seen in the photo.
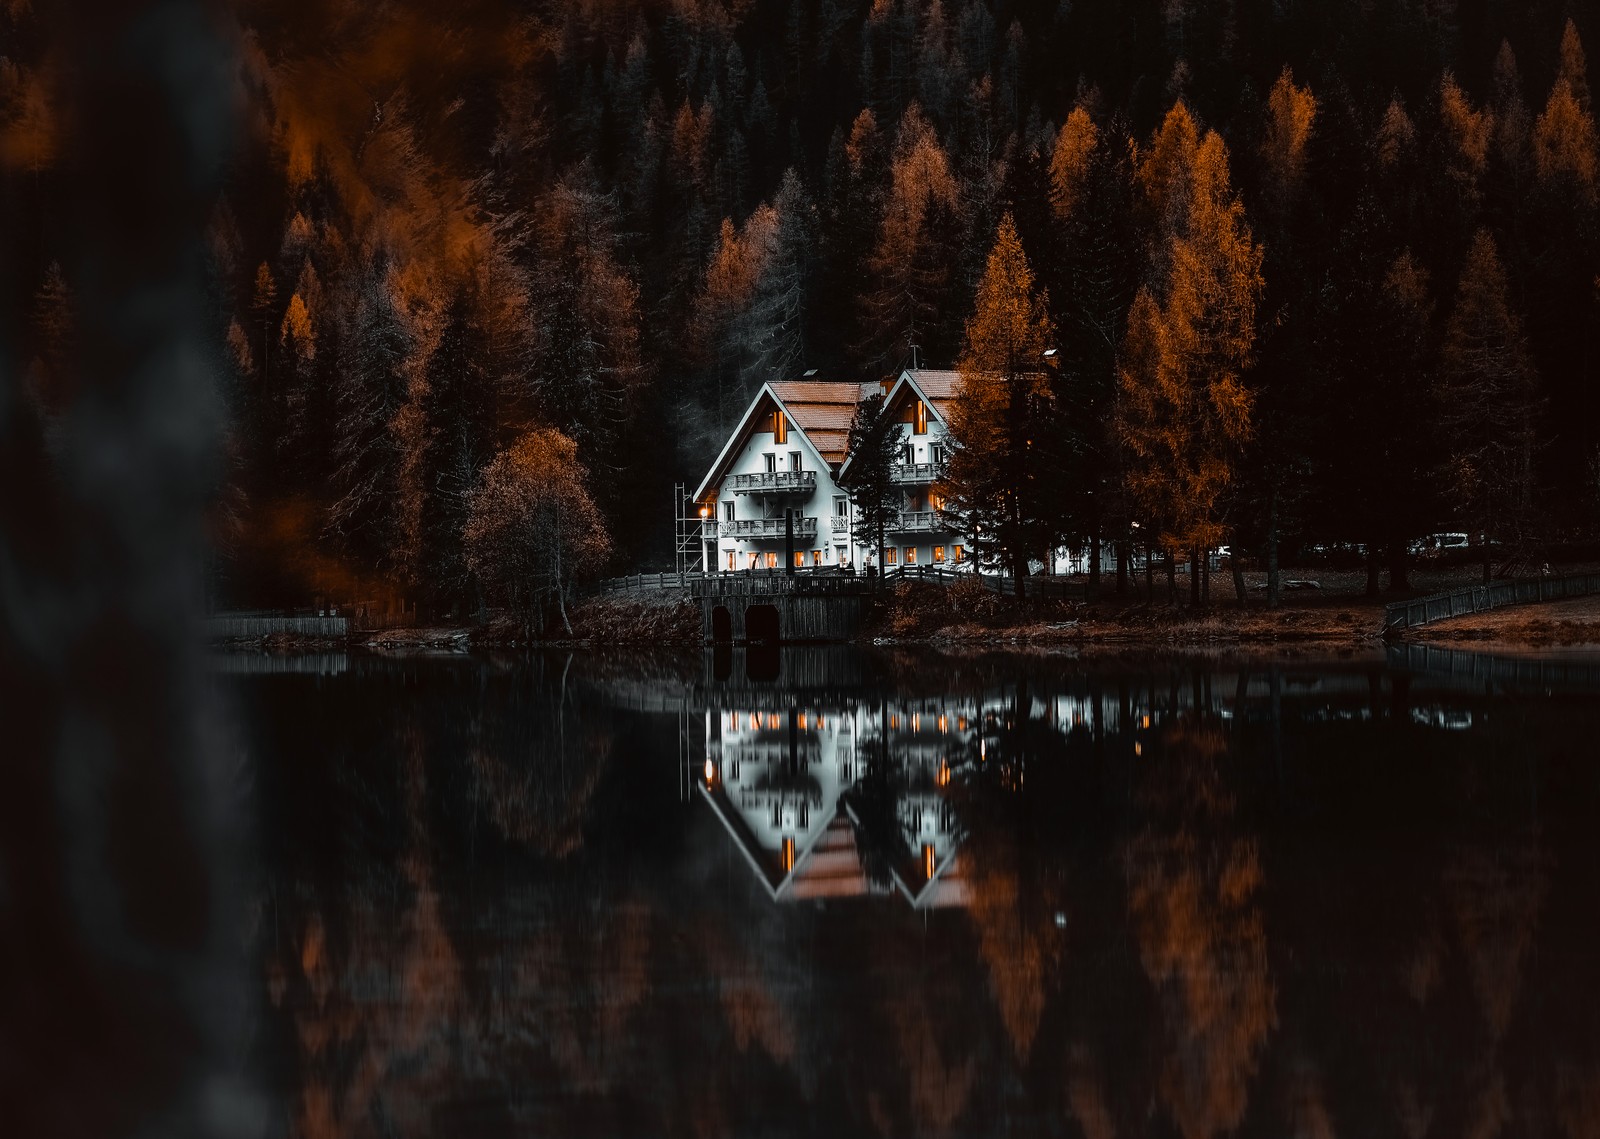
(1185, 412)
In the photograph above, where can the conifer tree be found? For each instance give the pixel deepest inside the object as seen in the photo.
(1002, 480)
(874, 449)
(1487, 404)
(909, 267)
(1185, 412)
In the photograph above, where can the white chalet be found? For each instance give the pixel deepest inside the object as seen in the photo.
(787, 460)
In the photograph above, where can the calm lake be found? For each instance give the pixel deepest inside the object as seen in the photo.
(840, 892)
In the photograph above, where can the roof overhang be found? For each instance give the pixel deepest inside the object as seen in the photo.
(742, 432)
(907, 381)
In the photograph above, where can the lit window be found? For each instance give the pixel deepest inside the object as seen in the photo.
(921, 424)
(960, 553)
(800, 721)
(894, 723)
(944, 723)
(928, 863)
(788, 854)
(799, 559)
(911, 555)
(938, 554)
(772, 559)
(780, 428)
(891, 556)
(816, 557)
(731, 556)
(753, 558)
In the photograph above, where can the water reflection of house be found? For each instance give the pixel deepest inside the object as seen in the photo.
(778, 781)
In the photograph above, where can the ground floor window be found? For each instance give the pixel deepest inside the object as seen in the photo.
(799, 559)
(960, 553)
(938, 554)
(840, 556)
(731, 556)
(891, 556)
(772, 559)
(753, 559)
(911, 555)
(816, 557)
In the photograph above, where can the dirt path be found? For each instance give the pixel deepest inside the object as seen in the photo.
(1573, 623)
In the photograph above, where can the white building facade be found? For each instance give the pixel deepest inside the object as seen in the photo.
(779, 481)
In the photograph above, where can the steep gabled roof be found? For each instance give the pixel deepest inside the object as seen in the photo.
(935, 387)
(938, 387)
(819, 409)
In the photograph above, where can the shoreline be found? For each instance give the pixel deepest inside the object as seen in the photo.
(926, 617)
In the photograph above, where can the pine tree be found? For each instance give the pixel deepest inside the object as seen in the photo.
(365, 514)
(910, 275)
(874, 449)
(1002, 484)
(1487, 402)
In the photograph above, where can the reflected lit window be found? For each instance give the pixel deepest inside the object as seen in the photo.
(928, 863)
(788, 854)
(800, 721)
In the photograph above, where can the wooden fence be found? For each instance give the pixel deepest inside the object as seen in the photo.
(1477, 598)
(830, 580)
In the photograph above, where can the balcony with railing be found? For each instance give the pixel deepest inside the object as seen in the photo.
(920, 522)
(768, 528)
(774, 482)
(916, 474)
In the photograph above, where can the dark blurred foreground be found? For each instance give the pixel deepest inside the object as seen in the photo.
(123, 996)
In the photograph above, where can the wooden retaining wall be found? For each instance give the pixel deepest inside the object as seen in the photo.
(801, 616)
(1477, 598)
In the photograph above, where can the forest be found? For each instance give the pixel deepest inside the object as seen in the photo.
(1311, 272)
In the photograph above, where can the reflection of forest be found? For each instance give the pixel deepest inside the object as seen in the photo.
(1262, 904)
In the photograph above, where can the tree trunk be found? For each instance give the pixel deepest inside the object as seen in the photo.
(1122, 567)
(1399, 567)
(1149, 573)
(1094, 556)
(1194, 575)
(1274, 592)
(1172, 577)
(1238, 574)
(1205, 577)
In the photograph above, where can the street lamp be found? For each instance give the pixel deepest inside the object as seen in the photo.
(705, 556)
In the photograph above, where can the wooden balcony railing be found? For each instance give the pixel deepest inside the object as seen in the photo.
(768, 528)
(774, 482)
(917, 473)
(919, 522)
